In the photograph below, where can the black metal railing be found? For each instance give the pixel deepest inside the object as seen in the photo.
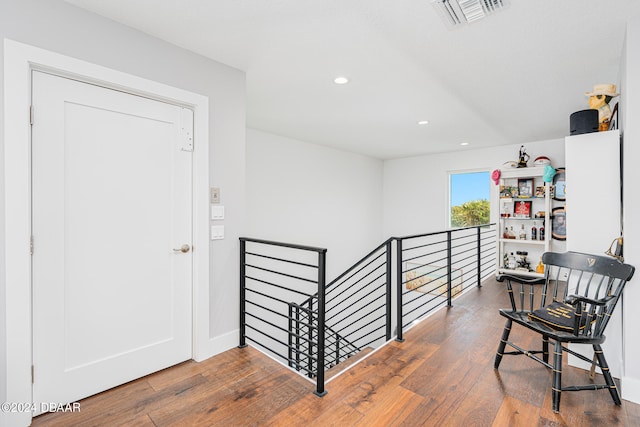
(434, 268)
(273, 275)
(287, 310)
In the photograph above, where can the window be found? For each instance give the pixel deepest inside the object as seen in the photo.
(469, 199)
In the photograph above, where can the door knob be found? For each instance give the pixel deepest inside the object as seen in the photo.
(184, 249)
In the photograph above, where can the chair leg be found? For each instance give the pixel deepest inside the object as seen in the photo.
(503, 343)
(607, 374)
(556, 387)
(545, 349)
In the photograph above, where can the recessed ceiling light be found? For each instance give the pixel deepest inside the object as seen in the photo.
(464, 143)
(341, 80)
(423, 122)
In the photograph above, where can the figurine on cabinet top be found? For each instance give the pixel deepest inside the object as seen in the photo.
(523, 157)
(599, 100)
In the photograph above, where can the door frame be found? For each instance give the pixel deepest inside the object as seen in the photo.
(19, 61)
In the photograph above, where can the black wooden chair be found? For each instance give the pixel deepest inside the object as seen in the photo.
(571, 304)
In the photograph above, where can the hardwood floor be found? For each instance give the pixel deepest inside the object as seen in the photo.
(442, 375)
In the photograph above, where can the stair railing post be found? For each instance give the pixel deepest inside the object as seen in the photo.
(449, 268)
(478, 272)
(298, 334)
(310, 327)
(399, 289)
(388, 289)
(290, 334)
(243, 279)
(320, 391)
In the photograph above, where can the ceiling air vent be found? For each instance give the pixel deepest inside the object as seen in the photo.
(458, 12)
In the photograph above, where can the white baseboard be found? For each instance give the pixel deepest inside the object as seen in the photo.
(631, 389)
(217, 345)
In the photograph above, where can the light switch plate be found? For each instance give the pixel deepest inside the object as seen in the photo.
(215, 195)
(217, 232)
(217, 212)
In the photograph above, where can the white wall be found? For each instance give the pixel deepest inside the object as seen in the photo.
(59, 27)
(416, 190)
(630, 126)
(307, 194)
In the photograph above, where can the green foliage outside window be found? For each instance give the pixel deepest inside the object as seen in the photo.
(468, 214)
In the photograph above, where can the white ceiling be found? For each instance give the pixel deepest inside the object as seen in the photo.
(514, 77)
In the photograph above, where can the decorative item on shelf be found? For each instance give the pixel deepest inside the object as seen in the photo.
(540, 214)
(549, 172)
(540, 267)
(541, 161)
(523, 233)
(583, 121)
(559, 185)
(505, 210)
(495, 176)
(525, 186)
(508, 192)
(541, 232)
(523, 157)
(599, 100)
(534, 231)
(559, 224)
(522, 209)
(512, 261)
(540, 191)
(510, 164)
(522, 262)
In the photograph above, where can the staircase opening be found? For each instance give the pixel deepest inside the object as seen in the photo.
(318, 328)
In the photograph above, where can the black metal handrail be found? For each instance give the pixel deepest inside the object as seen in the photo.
(317, 326)
(433, 268)
(288, 272)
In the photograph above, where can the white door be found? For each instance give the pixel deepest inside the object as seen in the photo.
(111, 210)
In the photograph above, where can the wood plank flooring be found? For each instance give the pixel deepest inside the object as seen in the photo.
(442, 375)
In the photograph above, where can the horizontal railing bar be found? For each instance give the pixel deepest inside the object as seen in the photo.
(382, 245)
(457, 265)
(273, 324)
(267, 309)
(295, 291)
(303, 264)
(444, 301)
(490, 261)
(282, 244)
(336, 285)
(352, 295)
(363, 288)
(484, 251)
(267, 336)
(368, 333)
(418, 297)
(453, 230)
(442, 276)
(291, 276)
(362, 317)
(331, 298)
(473, 249)
(442, 296)
(267, 296)
(374, 340)
(430, 262)
(413, 248)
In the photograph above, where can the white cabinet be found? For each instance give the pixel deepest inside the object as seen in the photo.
(594, 213)
(593, 191)
(524, 206)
